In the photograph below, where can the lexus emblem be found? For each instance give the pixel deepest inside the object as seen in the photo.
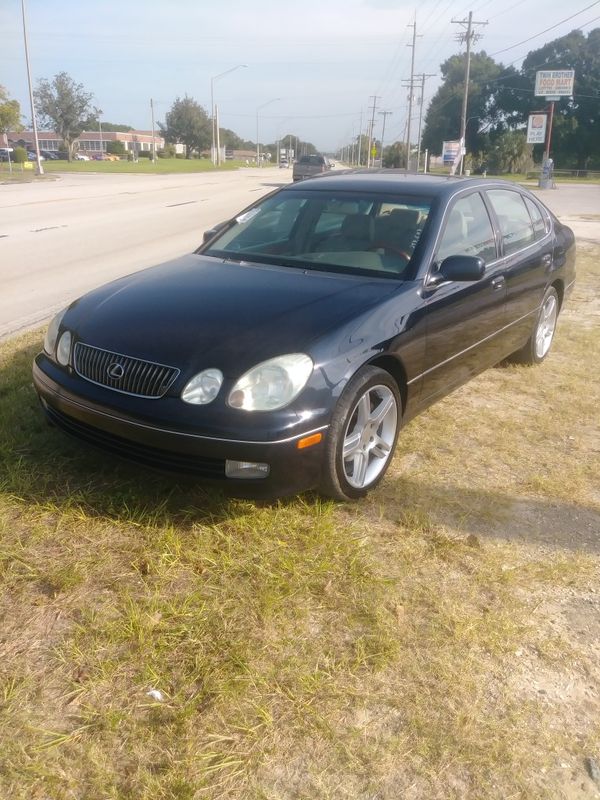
(115, 370)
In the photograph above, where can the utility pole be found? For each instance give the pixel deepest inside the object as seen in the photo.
(469, 36)
(375, 98)
(424, 77)
(153, 139)
(413, 25)
(360, 133)
(385, 115)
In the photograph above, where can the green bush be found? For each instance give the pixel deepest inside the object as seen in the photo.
(145, 154)
(116, 148)
(19, 155)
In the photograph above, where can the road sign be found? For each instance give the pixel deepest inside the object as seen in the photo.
(554, 82)
(536, 129)
(450, 152)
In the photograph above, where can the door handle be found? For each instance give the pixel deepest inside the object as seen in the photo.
(498, 283)
(547, 259)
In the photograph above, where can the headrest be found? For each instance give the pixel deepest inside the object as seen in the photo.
(407, 217)
(358, 226)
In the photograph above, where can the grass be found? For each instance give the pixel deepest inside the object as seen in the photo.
(408, 646)
(143, 166)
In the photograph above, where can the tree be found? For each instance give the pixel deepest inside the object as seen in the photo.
(92, 123)
(64, 106)
(395, 155)
(229, 138)
(576, 129)
(490, 106)
(10, 113)
(510, 153)
(187, 123)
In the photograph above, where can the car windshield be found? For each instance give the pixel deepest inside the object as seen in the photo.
(340, 232)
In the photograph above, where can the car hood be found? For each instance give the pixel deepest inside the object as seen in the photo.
(199, 311)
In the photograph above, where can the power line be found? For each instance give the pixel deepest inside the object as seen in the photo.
(551, 28)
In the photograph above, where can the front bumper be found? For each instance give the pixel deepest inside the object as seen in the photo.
(291, 470)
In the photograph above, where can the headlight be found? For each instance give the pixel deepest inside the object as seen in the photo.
(272, 384)
(52, 333)
(63, 350)
(203, 387)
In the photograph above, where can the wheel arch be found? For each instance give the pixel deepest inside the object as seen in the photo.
(560, 291)
(396, 369)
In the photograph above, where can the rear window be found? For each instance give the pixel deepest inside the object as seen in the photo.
(314, 161)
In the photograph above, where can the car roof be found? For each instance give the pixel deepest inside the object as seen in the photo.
(391, 181)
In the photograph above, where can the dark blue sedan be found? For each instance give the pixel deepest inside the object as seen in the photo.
(288, 350)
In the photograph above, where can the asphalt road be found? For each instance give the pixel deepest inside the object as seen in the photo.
(60, 238)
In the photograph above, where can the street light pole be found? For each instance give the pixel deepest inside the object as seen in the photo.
(98, 112)
(268, 103)
(40, 169)
(214, 149)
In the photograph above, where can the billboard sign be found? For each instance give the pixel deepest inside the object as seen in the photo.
(450, 152)
(536, 129)
(557, 82)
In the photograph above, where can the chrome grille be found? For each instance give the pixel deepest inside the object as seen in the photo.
(123, 373)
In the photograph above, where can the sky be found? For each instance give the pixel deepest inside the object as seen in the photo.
(312, 68)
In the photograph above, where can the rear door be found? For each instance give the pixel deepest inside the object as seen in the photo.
(526, 247)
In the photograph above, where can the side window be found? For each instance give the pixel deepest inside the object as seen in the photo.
(514, 220)
(539, 223)
(468, 231)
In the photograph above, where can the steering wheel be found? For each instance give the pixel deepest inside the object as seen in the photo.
(396, 250)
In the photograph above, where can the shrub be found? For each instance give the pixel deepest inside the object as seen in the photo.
(19, 155)
(116, 148)
(145, 154)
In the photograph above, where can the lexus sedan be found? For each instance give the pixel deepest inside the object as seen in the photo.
(288, 350)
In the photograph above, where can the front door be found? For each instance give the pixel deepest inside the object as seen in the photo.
(464, 318)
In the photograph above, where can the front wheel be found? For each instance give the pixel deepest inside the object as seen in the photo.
(362, 435)
(538, 345)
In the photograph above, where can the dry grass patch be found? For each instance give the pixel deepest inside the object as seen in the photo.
(438, 640)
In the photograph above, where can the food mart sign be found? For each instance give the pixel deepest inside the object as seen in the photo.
(554, 82)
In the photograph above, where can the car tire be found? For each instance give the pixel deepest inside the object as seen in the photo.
(539, 343)
(362, 435)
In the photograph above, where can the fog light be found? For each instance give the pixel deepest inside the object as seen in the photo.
(246, 469)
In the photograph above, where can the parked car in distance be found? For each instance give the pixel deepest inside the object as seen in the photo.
(5, 153)
(289, 349)
(32, 156)
(106, 157)
(308, 167)
(80, 157)
(49, 155)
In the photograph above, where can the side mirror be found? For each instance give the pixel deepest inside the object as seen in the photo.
(211, 232)
(460, 268)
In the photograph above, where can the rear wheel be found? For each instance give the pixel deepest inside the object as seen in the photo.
(539, 343)
(362, 435)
